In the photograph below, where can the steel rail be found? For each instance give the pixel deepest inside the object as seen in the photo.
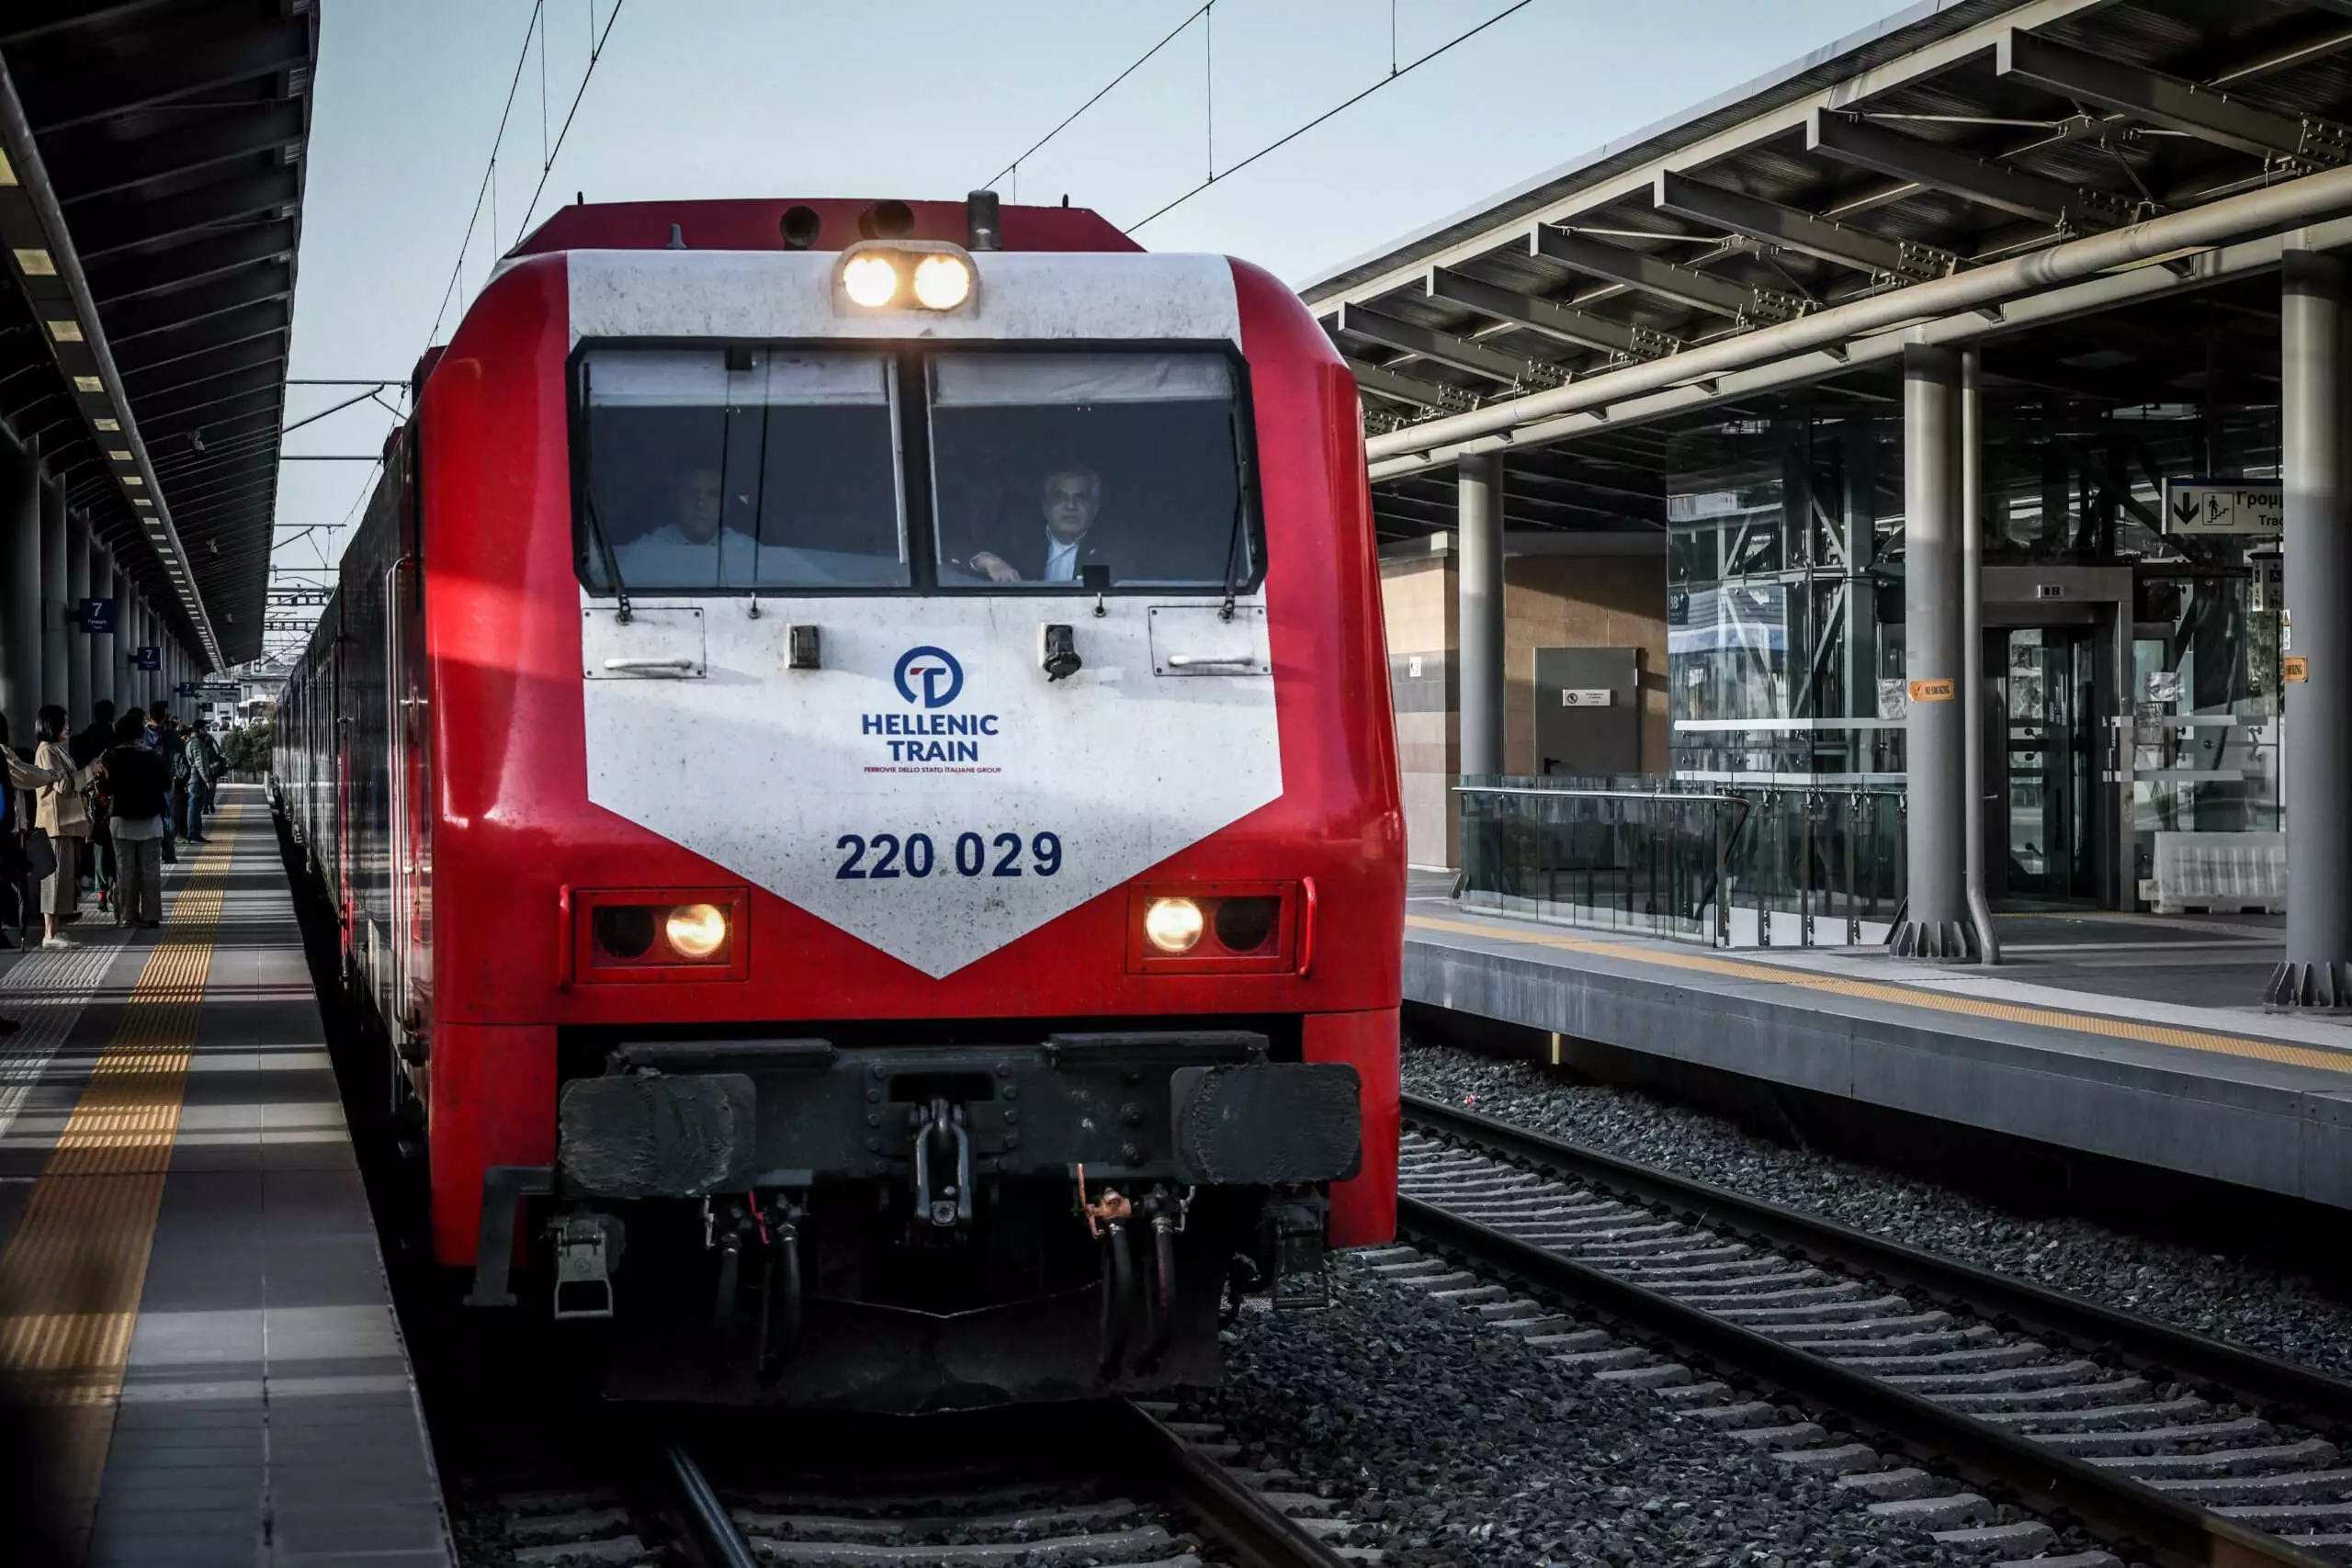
(2120, 1508)
(1243, 1522)
(2311, 1398)
(711, 1532)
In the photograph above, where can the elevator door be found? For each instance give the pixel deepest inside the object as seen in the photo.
(2043, 808)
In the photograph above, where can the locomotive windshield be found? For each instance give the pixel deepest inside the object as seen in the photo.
(739, 468)
(1045, 464)
(743, 469)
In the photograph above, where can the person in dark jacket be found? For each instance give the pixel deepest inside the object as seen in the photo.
(138, 789)
(1057, 542)
(87, 746)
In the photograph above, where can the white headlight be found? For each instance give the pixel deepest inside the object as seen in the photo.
(942, 282)
(870, 280)
(1172, 925)
(696, 930)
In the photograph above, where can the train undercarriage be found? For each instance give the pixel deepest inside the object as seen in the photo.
(914, 1228)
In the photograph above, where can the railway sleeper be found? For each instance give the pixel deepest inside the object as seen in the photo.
(2302, 1485)
(2075, 1396)
(2113, 1418)
(1952, 1511)
(2015, 1379)
(2017, 1353)
(2313, 1453)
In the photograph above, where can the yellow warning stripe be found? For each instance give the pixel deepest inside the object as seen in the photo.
(76, 1266)
(1929, 1000)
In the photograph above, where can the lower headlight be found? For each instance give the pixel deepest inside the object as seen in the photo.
(696, 930)
(1172, 925)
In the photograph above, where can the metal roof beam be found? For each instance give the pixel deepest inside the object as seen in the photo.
(264, 320)
(129, 221)
(132, 273)
(1547, 316)
(1445, 348)
(53, 101)
(93, 168)
(160, 410)
(134, 318)
(1774, 224)
(1956, 174)
(2155, 98)
(1400, 389)
(204, 366)
(1639, 270)
(183, 417)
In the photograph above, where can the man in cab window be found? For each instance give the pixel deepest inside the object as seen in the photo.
(1063, 540)
(678, 553)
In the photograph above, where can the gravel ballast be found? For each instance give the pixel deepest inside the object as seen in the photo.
(1452, 1442)
(2247, 1303)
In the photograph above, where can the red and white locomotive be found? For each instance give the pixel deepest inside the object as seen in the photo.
(852, 755)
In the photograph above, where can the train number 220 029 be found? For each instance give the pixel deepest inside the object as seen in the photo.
(975, 855)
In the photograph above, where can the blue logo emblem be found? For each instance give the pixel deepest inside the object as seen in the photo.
(942, 677)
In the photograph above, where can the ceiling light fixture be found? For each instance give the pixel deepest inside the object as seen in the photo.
(117, 454)
(65, 332)
(108, 424)
(89, 384)
(36, 263)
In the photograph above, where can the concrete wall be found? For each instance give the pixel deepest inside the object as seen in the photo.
(1559, 601)
(1550, 600)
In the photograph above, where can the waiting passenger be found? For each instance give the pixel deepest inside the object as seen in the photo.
(679, 553)
(138, 788)
(1072, 500)
(58, 811)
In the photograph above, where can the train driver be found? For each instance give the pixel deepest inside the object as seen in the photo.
(680, 553)
(1071, 501)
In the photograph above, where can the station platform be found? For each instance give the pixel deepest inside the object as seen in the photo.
(194, 1314)
(2119, 1035)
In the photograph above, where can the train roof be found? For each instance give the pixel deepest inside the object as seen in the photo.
(756, 225)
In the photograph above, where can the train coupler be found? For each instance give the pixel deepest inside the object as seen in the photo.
(587, 1252)
(941, 1127)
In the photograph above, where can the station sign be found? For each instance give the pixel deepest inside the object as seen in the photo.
(95, 616)
(221, 693)
(1581, 697)
(149, 656)
(2224, 506)
(189, 689)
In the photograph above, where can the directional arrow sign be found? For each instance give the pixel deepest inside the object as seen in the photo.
(2224, 506)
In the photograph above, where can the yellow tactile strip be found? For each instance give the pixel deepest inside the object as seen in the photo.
(76, 1266)
(1916, 997)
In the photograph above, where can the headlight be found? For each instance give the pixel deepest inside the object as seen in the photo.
(696, 930)
(1173, 925)
(870, 280)
(942, 282)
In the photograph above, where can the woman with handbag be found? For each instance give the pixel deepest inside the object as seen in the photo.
(16, 843)
(59, 812)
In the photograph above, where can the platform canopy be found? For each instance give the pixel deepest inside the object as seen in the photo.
(1945, 140)
(151, 198)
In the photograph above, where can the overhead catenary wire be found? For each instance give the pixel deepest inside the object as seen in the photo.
(1068, 120)
(1395, 72)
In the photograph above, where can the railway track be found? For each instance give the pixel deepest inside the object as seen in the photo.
(2171, 1448)
(1119, 1484)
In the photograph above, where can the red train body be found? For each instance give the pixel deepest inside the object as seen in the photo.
(779, 901)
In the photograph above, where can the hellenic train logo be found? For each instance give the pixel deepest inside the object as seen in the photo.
(936, 668)
(930, 679)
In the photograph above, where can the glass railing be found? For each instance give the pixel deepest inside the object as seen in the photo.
(1812, 866)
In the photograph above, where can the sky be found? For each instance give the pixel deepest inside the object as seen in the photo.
(918, 99)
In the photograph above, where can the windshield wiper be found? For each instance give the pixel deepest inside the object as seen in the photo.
(605, 548)
(1233, 540)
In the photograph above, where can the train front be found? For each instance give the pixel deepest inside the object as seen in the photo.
(917, 871)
